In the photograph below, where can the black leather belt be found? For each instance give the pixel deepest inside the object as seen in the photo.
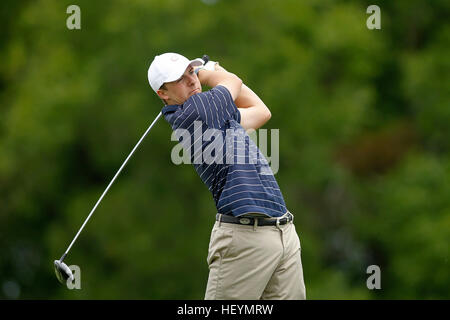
(259, 221)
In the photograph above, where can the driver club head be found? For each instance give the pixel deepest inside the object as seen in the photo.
(63, 272)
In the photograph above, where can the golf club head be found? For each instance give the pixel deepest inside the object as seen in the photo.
(63, 272)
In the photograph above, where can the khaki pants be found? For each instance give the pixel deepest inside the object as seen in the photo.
(250, 263)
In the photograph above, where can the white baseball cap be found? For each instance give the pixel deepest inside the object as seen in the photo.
(168, 67)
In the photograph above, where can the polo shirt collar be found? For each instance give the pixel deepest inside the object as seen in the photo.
(169, 109)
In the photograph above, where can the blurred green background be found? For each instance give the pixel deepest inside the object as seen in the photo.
(364, 120)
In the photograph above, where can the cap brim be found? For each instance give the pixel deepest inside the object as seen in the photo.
(196, 62)
(179, 73)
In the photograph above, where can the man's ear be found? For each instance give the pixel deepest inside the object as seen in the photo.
(162, 94)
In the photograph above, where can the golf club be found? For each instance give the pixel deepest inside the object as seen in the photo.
(63, 272)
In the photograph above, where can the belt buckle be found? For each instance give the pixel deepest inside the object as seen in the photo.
(244, 221)
(278, 222)
(289, 215)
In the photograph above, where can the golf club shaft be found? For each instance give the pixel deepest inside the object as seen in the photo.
(110, 184)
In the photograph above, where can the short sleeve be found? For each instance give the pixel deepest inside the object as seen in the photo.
(216, 107)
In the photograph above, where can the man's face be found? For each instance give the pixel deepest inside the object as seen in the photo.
(177, 92)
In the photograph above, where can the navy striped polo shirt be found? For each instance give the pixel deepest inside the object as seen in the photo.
(226, 159)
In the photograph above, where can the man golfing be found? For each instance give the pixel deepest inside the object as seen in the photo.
(254, 250)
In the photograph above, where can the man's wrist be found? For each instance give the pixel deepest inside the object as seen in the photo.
(203, 75)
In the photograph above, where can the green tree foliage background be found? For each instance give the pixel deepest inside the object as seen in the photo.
(364, 120)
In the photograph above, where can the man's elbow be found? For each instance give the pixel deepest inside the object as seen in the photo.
(267, 115)
(263, 118)
(238, 83)
(237, 79)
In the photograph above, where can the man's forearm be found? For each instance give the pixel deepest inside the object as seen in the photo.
(247, 99)
(221, 77)
(254, 112)
(213, 78)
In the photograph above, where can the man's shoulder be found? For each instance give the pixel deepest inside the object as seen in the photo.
(182, 115)
(213, 107)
